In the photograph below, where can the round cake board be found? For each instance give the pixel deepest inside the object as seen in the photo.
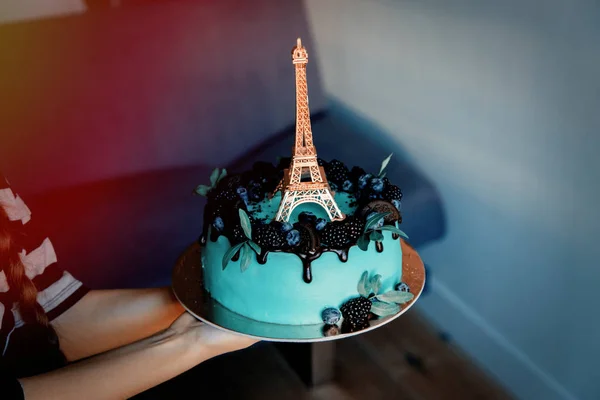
(189, 290)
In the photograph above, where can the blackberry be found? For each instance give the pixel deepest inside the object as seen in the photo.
(392, 192)
(336, 172)
(237, 235)
(268, 236)
(354, 228)
(335, 235)
(225, 195)
(349, 327)
(321, 162)
(356, 314)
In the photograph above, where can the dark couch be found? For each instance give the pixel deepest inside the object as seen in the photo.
(112, 118)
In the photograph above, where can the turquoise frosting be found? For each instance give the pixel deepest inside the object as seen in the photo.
(275, 292)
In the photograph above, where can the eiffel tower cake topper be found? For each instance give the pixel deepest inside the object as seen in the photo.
(304, 181)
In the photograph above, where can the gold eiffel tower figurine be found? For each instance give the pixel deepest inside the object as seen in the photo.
(304, 181)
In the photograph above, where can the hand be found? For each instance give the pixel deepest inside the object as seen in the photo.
(209, 340)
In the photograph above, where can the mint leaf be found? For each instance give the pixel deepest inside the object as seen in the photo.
(364, 288)
(363, 242)
(393, 229)
(376, 236)
(222, 175)
(245, 257)
(395, 296)
(245, 221)
(254, 246)
(375, 219)
(375, 283)
(230, 253)
(384, 309)
(202, 190)
(384, 164)
(214, 176)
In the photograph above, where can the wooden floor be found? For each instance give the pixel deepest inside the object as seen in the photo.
(405, 359)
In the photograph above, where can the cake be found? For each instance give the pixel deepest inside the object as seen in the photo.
(302, 240)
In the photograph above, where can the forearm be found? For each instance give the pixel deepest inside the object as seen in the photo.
(119, 373)
(107, 319)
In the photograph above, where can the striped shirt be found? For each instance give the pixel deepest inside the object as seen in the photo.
(57, 289)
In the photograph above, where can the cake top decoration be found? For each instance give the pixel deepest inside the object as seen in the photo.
(304, 181)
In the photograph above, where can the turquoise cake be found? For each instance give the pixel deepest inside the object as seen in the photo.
(305, 241)
(304, 270)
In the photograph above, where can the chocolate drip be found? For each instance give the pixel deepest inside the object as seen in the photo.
(342, 254)
(395, 236)
(379, 246)
(262, 257)
(236, 256)
(307, 275)
(202, 240)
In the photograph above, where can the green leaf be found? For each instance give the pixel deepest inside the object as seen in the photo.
(214, 176)
(222, 175)
(364, 288)
(393, 229)
(230, 253)
(254, 246)
(375, 283)
(245, 257)
(384, 164)
(374, 219)
(245, 221)
(376, 236)
(395, 296)
(384, 309)
(202, 190)
(363, 242)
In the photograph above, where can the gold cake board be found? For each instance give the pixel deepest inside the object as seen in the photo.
(189, 290)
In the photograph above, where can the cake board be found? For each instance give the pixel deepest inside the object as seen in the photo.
(189, 290)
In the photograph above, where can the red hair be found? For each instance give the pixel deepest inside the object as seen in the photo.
(20, 285)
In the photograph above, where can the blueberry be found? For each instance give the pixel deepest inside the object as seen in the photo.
(320, 224)
(363, 180)
(397, 204)
(218, 224)
(293, 237)
(243, 193)
(347, 186)
(331, 316)
(255, 191)
(402, 287)
(379, 223)
(307, 217)
(286, 227)
(377, 185)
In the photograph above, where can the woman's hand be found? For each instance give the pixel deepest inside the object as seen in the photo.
(209, 341)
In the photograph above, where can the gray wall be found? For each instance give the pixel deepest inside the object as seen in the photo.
(499, 102)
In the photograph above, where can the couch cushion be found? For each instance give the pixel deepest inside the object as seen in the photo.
(126, 232)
